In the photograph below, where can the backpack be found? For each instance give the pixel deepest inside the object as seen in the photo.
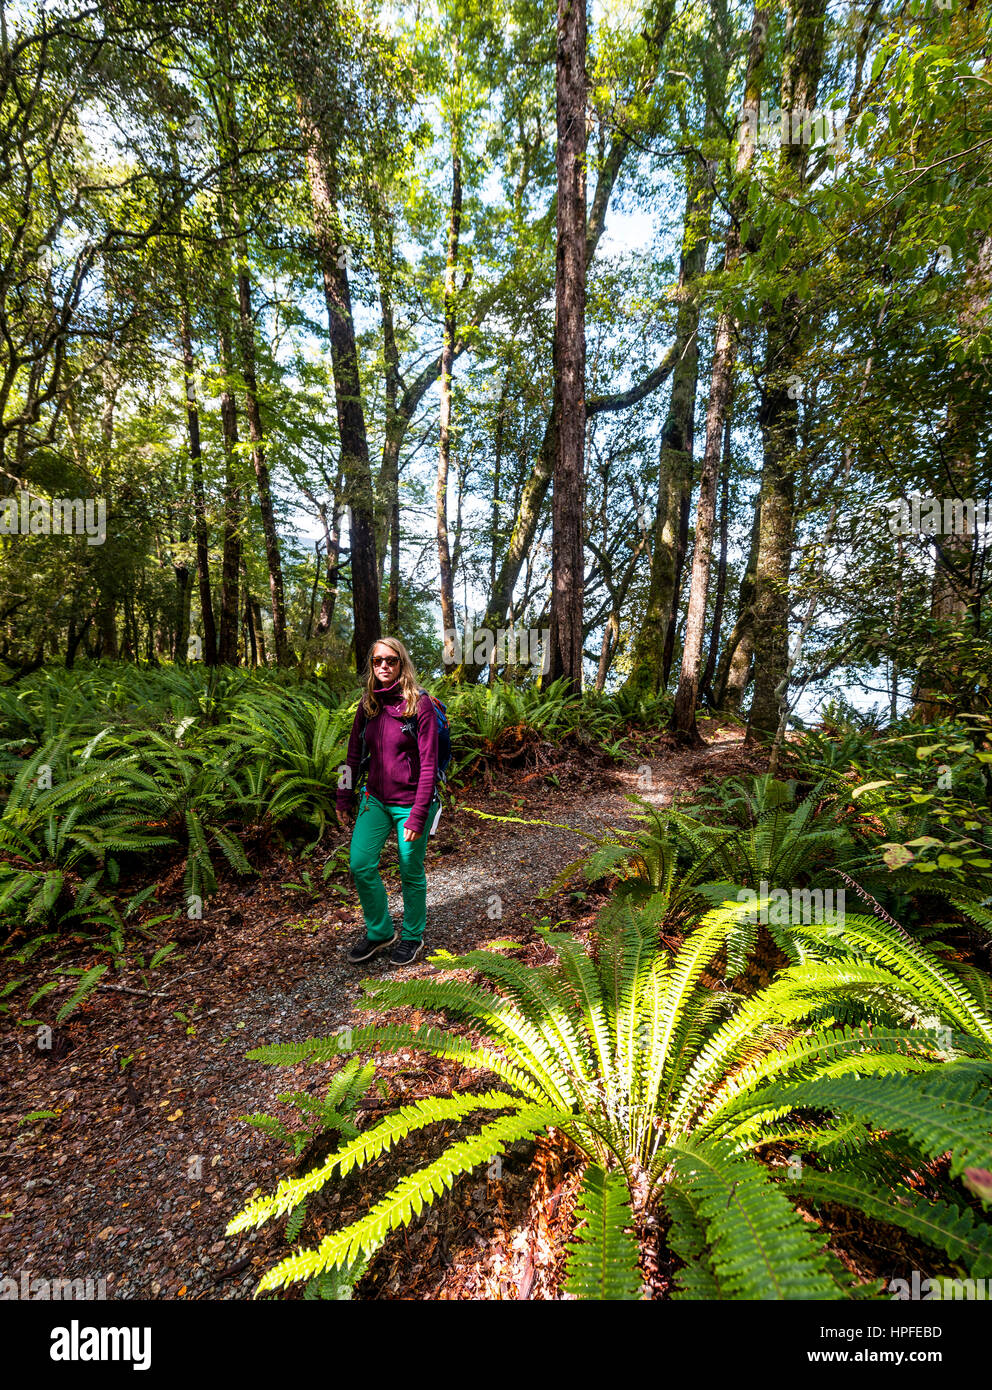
(410, 727)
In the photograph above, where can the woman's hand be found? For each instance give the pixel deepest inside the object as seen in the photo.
(409, 834)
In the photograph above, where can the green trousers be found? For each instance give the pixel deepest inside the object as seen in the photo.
(373, 824)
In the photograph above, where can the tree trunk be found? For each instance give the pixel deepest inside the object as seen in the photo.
(734, 671)
(717, 414)
(683, 722)
(611, 635)
(569, 349)
(779, 414)
(530, 503)
(388, 483)
(718, 409)
(246, 341)
(184, 601)
(75, 637)
(235, 228)
(706, 683)
(444, 451)
(497, 479)
(654, 643)
(685, 475)
(209, 640)
(227, 651)
(108, 595)
(253, 619)
(942, 690)
(332, 537)
(393, 615)
(333, 255)
(196, 469)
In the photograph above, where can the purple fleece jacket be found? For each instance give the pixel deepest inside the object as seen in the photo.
(403, 765)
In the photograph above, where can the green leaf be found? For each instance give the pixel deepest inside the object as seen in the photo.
(869, 787)
(86, 986)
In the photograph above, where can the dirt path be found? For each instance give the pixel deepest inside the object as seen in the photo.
(135, 1179)
(528, 858)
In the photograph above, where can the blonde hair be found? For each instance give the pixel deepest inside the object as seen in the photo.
(409, 684)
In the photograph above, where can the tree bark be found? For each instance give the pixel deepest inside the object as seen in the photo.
(444, 452)
(528, 510)
(654, 643)
(333, 256)
(256, 432)
(331, 578)
(231, 211)
(734, 671)
(227, 648)
(706, 681)
(683, 722)
(196, 469)
(184, 325)
(779, 413)
(569, 350)
(108, 590)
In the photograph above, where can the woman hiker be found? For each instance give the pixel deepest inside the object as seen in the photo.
(401, 738)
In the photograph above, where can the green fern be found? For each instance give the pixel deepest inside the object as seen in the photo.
(602, 1260)
(674, 1089)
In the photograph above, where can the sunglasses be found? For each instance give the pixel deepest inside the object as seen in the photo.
(385, 661)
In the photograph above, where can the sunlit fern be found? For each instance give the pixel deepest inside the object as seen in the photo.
(652, 1074)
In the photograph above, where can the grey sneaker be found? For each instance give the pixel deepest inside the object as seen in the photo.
(406, 952)
(364, 949)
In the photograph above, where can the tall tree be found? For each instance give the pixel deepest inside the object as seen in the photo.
(569, 349)
(531, 500)
(647, 672)
(227, 642)
(333, 252)
(447, 361)
(779, 412)
(721, 390)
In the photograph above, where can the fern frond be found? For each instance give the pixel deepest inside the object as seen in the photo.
(409, 1197)
(759, 1246)
(368, 1145)
(602, 1258)
(392, 1036)
(943, 1111)
(295, 1223)
(955, 1230)
(687, 1239)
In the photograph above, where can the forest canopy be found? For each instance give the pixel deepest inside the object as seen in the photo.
(278, 294)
